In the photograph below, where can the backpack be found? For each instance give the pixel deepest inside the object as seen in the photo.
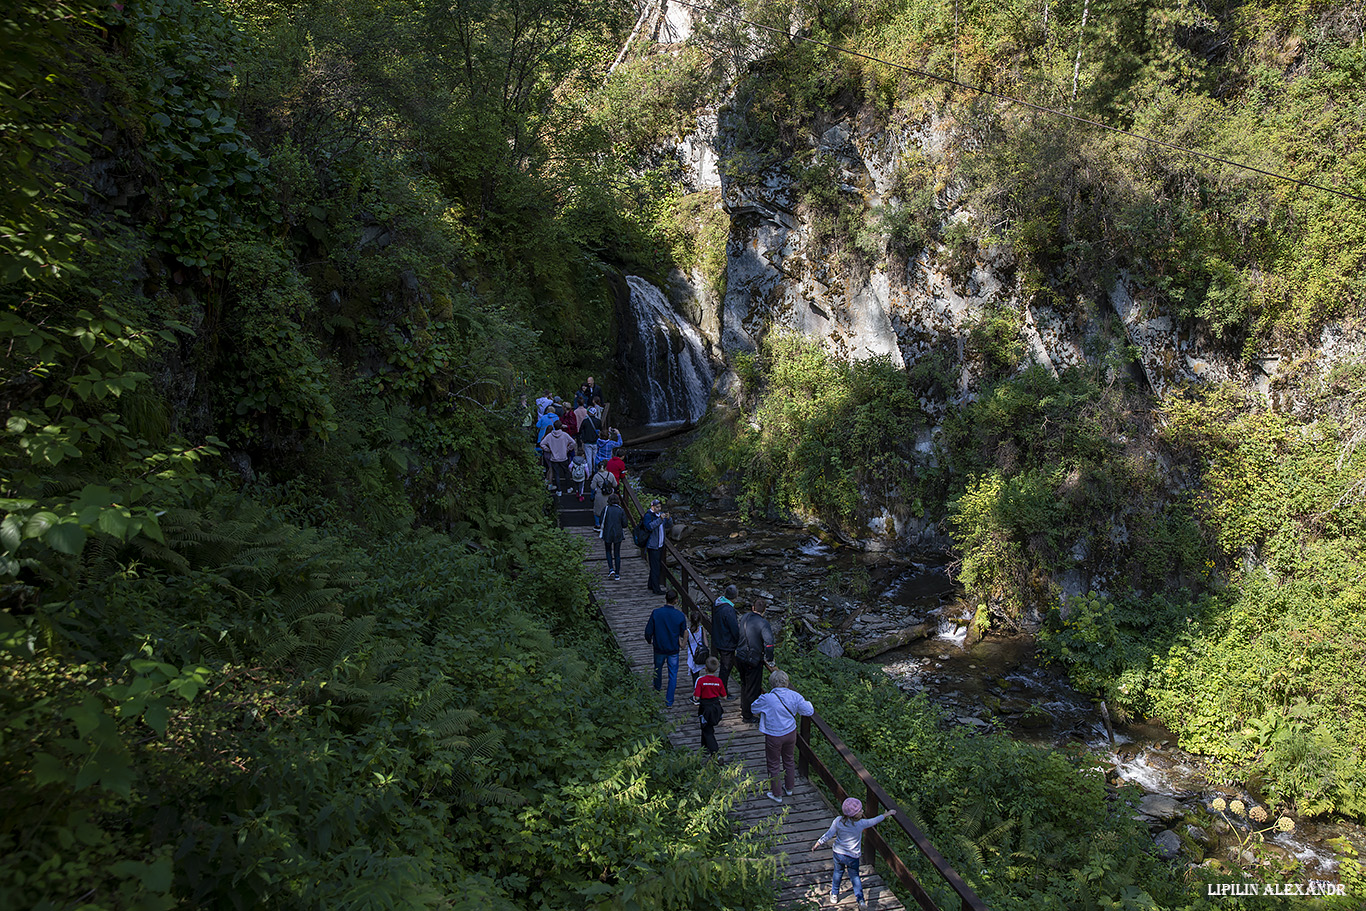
(608, 485)
(577, 472)
(641, 533)
(701, 653)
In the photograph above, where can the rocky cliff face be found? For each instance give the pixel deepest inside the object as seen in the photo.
(906, 307)
(908, 304)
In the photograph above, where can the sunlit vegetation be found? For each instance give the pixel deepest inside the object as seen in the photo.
(282, 624)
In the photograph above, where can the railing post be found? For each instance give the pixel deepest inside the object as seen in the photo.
(870, 808)
(803, 757)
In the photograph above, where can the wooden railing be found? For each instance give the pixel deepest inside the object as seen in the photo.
(683, 578)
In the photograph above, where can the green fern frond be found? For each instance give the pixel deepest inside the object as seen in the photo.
(451, 723)
(437, 698)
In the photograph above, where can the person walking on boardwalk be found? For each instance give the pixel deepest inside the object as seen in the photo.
(609, 441)
(558, 447)
(613, 533)
(697, 639)
(847, 834)
(778, 710)
(604, 484)
(656, 522)
(665, 632)
(589, 427)
(616, 465)
(725, 632)
(707, 694)
(754, 652)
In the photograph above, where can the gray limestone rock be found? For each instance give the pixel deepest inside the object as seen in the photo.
(830, 647)
(1160, 807)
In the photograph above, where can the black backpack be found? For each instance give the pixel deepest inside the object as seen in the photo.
(641, 533)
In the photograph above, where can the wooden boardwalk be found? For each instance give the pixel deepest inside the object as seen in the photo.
(804, 878)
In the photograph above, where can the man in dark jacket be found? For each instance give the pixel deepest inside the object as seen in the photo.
(725, 633)
(656, 522)
(665, 633)
(754, 652)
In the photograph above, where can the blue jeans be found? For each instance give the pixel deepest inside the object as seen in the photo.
(844, 863)
(613, 556)
(660, 659)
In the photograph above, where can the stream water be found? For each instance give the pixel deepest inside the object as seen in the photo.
(999, 684)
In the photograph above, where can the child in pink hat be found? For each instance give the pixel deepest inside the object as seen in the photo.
(847, 834)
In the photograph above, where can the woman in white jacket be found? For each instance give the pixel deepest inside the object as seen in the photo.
(778, 710)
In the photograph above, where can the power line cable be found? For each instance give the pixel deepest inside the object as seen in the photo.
(1043, 109)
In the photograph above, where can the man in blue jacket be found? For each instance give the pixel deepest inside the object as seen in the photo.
(725, 634)
(665, 633)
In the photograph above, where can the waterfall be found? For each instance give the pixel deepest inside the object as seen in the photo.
(677, 376)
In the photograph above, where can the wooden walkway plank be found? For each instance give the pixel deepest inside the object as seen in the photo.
(804, 875)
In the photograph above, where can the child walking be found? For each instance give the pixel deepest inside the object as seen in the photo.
(697, 639)
(707, 695)
(847, 834)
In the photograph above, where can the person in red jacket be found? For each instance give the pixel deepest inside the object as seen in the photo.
(707, 695)
(570, 422)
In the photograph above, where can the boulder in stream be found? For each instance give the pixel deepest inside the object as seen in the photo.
(1168, 844)
(1160, 808)
(871, 648)
(830, 647)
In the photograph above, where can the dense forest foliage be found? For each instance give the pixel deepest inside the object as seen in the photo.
(282, 621)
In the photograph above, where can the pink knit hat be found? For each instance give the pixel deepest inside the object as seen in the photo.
(852, 806)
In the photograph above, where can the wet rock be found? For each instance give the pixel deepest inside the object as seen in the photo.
(1037, 718)
(1168, 844)
(1201, 837)
(1160, 807)
(725, 551)
(830, 647)
(871, 648)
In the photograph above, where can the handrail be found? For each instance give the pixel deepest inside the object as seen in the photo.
(875, 797)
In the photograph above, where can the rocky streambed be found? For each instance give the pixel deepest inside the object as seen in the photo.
(905, 613)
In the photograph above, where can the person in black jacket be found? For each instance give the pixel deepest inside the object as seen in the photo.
(752, 655)
(613, 533)
(725, 633)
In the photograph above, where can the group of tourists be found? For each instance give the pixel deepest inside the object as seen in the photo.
(579, 449)
(573, 438)
(744, 641)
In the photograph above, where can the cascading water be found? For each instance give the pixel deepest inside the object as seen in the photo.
(677, 376)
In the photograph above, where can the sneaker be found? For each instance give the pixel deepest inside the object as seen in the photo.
(834, 899)
(787, 792)
(773, 797)
(861, 903)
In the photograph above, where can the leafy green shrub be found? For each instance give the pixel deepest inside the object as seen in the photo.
(822, 431)
(1020, 823)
